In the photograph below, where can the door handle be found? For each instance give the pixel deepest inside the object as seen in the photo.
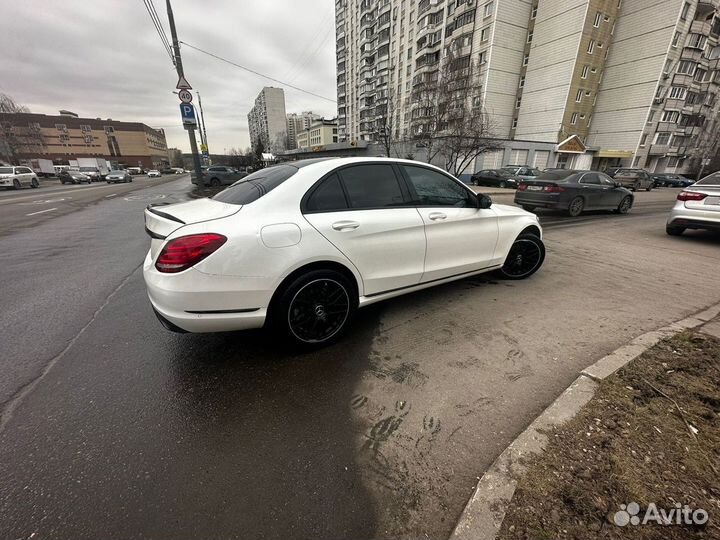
(345, 225)
(437, 216)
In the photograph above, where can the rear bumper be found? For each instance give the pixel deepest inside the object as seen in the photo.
(539, 200)
(694, 219)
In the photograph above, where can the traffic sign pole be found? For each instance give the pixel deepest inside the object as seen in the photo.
(182, 87)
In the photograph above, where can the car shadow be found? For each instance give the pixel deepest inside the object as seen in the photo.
(280, 425)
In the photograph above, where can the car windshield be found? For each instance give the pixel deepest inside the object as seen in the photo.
(255, 185)
(117, 172)
(6, 170)
(558, 175)
(509, 170)
(710, 180)
(89, 169)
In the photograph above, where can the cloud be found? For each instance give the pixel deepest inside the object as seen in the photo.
(104, 59)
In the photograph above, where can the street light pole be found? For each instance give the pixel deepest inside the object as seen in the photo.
(181, 74)
(203, 131)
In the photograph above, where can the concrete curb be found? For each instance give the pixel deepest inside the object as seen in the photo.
(484, 513)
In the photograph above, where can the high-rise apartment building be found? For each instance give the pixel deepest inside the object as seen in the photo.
(267, 121)
(296, 123)
(606, 82)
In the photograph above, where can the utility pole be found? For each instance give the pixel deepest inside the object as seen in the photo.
(181, 74)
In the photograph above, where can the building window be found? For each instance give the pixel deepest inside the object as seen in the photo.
(678, 92)
(485, 34)
(685, 10)
(662, 138)
(526, 58)
(61, 127)
(668, 66)
(585, 70)
(533, 13)
(670, 116)
(514, 122)
(530, 36)
(643, 140)
(660, 91)
(109, 129)
(482, 58)
(589, 121)
(598, 18)
(573, 119)
(676, 39)
(578, 96)
(686, 67)
(518, 101)
(489, 8)
(85, 128)
(697, 41)
(591, 46)
(612, 30)
(651, 115)
(522, 82)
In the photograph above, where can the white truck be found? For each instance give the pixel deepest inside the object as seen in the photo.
(95, 168)
(42, 167)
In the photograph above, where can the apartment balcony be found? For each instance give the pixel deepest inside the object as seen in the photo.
(667, 126)
(701, 27)
(366, 5)
(674, 104)
(680, 79)
(658, 149)
(463, 51)
(384, 6)
(706, 7)
(383, 25)
(691, 53)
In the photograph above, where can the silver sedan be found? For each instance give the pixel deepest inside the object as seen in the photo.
(697, 207)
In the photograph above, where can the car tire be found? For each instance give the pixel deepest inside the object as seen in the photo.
(16, 184)
(525, 257)
(502, 184)
(624, 206)
(674, 230)
(215, 182)
(315, 308)
(528, 208)
(34, 184)
(576, 206)
(636, 186)
(649, 188)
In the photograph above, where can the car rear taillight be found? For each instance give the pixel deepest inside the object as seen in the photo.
(182, 253)
(690, 196)
(522, 187)
(553, 189)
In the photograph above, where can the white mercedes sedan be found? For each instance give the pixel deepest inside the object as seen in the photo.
(300, 246)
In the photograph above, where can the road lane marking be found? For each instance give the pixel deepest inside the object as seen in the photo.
(111, 195)
(41, 212)
(45, 201)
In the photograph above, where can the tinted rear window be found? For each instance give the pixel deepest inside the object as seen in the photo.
(557, 176)
(6, 170)
(711, 180)
(255, 185)
(371, 186)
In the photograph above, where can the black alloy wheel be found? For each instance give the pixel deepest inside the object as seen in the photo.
(576, 207)
(215, 182)
(524, 258)
(674, 230)
(625, 205)
(16, 184)
(34, 183)
(503, 184)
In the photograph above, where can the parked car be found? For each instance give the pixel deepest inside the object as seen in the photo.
(16, 177)
(74, 177)
(154, 173)
(495, 178)
(697, 207)
(671, 180)
(134, 171)
(610, 171)
(574, 191)
(293, 247)
(521, 171)
(93, 172)
(167, 170)
(114, 177)
(634, 179)
(219, 175)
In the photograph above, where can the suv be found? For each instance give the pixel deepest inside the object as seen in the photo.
(523, 172)
(17, 177)
(634, 179)
(93, 172)
(219, 175)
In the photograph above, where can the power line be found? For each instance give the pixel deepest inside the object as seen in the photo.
(258, 73)
(314, 53)
(329, 22)
(159, 28)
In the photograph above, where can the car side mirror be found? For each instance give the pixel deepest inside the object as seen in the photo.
(484, 202)
(617, 184)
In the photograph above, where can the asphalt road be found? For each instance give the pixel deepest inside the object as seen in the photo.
(113, 427)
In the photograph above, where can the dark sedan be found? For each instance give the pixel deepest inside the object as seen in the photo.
(495, 178)
(574, 192)
(671, 180)
(73, 177)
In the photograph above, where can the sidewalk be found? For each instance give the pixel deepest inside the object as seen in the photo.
(569, 471)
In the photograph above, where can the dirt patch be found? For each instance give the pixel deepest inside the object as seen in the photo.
(202, 192)
(651, 435)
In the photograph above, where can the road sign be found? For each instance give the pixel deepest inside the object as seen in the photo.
(185, 96)
(204, 148)
(187, 112)
(183, 84)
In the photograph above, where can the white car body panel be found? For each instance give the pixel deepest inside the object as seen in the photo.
(270, 238)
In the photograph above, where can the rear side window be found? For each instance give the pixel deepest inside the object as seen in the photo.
(327, 196)
(590, 178)
(371, 186)
(255, 185)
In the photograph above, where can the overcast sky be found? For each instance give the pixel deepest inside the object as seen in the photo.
(103, 58)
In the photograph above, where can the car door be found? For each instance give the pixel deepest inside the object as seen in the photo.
(612, 194)
(461, 238)
(24, 175)
(363, 211)
(593, 191)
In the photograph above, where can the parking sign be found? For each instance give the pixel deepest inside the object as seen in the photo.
(187, 112)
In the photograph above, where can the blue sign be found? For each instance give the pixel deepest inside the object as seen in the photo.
(187, 112)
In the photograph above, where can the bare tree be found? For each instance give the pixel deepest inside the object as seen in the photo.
(15, 137)
(447, 115)
(705, 145)
(386, 123)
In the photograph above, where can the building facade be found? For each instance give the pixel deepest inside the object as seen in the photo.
(319, 133)
(297, 123)
(267, 121)
(67, 136)
(603, 82)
